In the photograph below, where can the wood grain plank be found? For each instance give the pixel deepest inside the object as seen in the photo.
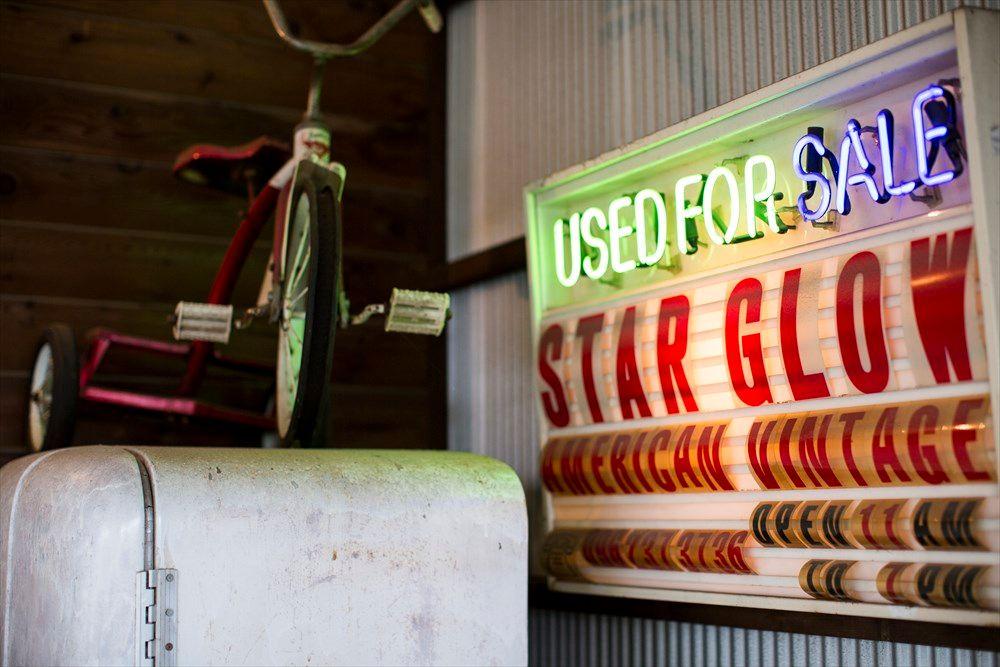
(128, 125)
(312, 19)
(89, 263)
(379, 420)
(64, 188)
(124, 194)
(52, 43)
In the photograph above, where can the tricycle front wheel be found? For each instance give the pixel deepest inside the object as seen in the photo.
(310, 273)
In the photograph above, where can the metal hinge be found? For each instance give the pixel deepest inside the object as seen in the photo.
(156, 592)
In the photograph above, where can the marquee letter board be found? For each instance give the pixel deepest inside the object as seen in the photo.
(766, 346)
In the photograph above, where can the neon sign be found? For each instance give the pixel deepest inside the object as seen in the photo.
(589, 253)
(735, 200)
(933, 103)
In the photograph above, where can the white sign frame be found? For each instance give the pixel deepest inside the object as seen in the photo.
(965, 35)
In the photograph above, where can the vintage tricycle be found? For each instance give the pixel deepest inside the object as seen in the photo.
(302, 291)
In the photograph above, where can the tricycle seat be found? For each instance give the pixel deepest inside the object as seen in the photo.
(232, 168)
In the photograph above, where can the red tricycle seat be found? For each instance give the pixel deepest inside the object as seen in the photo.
(231, 168)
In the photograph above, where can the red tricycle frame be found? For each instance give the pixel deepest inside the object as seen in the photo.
(310, 141)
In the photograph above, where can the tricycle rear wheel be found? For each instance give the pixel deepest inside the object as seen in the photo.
(52, 390)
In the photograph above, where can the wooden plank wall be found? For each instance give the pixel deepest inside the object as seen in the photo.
(96, 99)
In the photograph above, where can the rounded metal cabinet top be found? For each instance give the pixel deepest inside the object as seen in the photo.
(282, 556)
(72, 526)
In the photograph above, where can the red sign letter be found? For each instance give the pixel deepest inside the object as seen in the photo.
(924, 458)
(865, 265)
(750, 291)
(629, 382)
(669, 353)
(553, 401)
(937, 278)
(803, 386)
(586, 330)
(961, 438)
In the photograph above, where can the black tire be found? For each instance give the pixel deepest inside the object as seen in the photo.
(63, 391)
(308, 419)
(269, 438)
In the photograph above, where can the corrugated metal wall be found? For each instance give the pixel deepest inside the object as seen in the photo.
(558, 638)
(535, 87)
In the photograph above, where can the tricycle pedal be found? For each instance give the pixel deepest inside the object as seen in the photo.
(413, 311)
(209, 322)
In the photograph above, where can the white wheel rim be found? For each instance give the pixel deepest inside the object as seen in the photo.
(40, 397)
(292, 323)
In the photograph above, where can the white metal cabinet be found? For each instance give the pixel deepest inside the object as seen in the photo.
(274, 557)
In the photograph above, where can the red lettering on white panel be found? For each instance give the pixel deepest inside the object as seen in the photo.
(670, 353)
(553, 399)
(963, 434)
(587, 330)
(627, 370)
(863, 266)
(804, 385)
(884, 448)
(937, 277)
(924, 421)
(757, 392)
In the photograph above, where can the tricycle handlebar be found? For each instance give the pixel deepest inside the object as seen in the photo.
(325, 50)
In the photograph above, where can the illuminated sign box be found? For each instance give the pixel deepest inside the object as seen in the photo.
(766, 345)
